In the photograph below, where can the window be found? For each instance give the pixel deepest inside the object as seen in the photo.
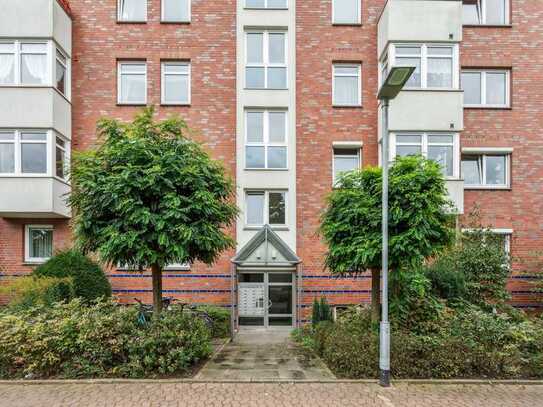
(7, 63)
(33, 153)
(503, 237)
(60, 73)
(345, 160)
(38, 243)
(271, 4)
(346, 12)
(7, 153)
(132, 83)
(487, 88)
(266, 60)
(33, 64)
(176, 83)
(486, 170)
(265, 207)
(486, 12)
(434, 65)
(60, 158)
(266, 139)
(174, 11)
(132, 10)
(346, 87)
(442, 148)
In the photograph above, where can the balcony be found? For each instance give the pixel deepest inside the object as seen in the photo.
(456, 194)
(33, 197)
(420, 21)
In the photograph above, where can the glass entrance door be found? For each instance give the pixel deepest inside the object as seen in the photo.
(266, 299)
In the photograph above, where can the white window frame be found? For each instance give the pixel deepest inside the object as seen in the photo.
(265, 57)
(66, 150)
(482, 8)
(163, 18)
(266, 7)
(359, 16)
(482, 156)
(393, 57)
(337, 147)
(266, 220)
(359, 77)
(163, 75)
(120, 13)
(483, 73)
(36, 260)
(266, 143)
(424, 147)
(66, 65)
(120, 64)
(508, 233)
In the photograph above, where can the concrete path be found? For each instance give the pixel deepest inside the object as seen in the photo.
(268, 355)
(268, 395)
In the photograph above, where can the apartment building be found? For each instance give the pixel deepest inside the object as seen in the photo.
(283, 92)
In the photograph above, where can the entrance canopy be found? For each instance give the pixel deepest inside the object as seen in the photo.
(266, 249)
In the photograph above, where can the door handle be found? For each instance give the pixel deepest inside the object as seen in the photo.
(270, 303)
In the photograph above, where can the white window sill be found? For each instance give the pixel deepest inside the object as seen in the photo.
(131, 21)
(34, 262)
(175, 21)
(505, 25)
(265, 88)
(175, 103)
(266, 169)
(274, 227)
(487, 107)
(266, 8)
(347, 106)
(132, 103)
(488, 187)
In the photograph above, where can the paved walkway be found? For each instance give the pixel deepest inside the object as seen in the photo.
(268, 355)
(264, 395)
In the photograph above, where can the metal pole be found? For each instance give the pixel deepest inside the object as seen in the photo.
(384, 349)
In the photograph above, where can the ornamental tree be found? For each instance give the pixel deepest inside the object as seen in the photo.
(419, 221)
(149, 196)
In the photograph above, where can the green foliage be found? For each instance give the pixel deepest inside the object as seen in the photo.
(149, 195)
(89, 280)
(467, 343)
(221, 320)
(74, 340)
(32, 291)
(476, 271)
(321, 311)
(419, 225)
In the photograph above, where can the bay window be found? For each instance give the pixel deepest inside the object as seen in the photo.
(485, 12)
(265, 207)
(28, 153)
(266, 139)
(174, 11)
(490, 171)
(436, 65)
(441, 148)
(38, 243)
(486, 88)
(132, 82)
(266, 60)
(132, 10)
(346, 85)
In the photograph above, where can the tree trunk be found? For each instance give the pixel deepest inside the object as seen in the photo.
(375, 294)
(157, 289)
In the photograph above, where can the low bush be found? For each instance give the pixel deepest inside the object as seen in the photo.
(221, 320)
(321, 311)
(89, 280)
(28, 291)
(75, 340)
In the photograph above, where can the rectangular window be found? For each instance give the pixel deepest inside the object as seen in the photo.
(486, 170)
(346, 11)
(346, 86)
(441, 148)
(266, 139)
(60, 73)
(7, 63)
(33, 153)
(345, 160)
(33, 64)
(60, 158)
(486, 12)
(132, 11)
(269, 4)
(176, 83)
(265, 207)
(486, 88)
(266, 60)
(132, 83)
(7, 152)
(38, 243)
(435, 64)
(176, 11)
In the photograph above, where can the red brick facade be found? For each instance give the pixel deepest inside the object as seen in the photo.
(209, 42)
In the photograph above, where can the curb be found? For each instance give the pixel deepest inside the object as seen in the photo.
(413, 382)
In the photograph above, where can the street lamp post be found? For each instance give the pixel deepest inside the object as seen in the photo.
(393, 84)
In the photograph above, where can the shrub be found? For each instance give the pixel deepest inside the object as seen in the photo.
(321, 311)
(89, 280)
(74, 340)
(221, 320)
(29, 291)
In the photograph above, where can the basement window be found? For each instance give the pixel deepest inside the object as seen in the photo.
(38, 243)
